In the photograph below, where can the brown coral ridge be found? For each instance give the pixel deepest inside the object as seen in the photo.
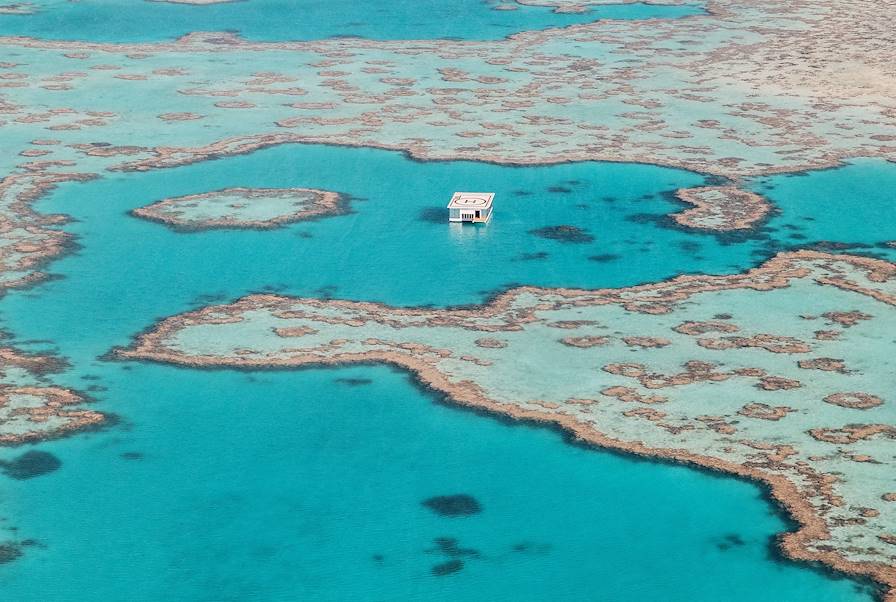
(777, 383)
(764, 411)
(57, 403)
(488, 343)
(769, 342)
(826, 364)
(29, 252)
(576, 6)
(776, 273)
(851, 433)
(322, 203)
(647, 298)
(799, 52)
(698, 328)
(585, 342)
(646, 342)
(694, 371)
(720, 208)
(846, 319)
(632, 395)
(855, 400)
(657, 298)
(38, 404)
(787, 495)
(34, 363)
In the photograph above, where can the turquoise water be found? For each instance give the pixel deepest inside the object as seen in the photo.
(296, 486)
(853, 206)
(308, 485)
(277, 20)
(395, 246)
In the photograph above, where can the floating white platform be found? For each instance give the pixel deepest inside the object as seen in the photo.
(472, 207)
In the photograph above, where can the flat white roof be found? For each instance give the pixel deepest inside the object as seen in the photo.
(471, 200)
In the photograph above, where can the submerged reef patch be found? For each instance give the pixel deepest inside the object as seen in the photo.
(731, 540)
(450, 548)
(604, 257)
(30, 464)
(564, 234)
(446, 568)
(453, 505)
(354, 382)
(18, 8)
(9, 551)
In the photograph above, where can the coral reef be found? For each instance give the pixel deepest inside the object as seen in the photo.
(736, 407)
(243, 208)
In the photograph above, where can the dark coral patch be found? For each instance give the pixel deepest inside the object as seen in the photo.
(604, 257)
(729, 541)
(532, 256)
(9, 552)
(354, 382)
(433, 215)
(448, 546)
(327, 292)
(448, 567)
(564, 234)
(453, 505)
(528, 546)
(30, 464)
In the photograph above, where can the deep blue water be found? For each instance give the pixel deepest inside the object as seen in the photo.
(308, 485)
(279, 20)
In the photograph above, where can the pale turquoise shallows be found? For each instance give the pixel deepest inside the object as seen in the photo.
(279, 486)
(279, 20)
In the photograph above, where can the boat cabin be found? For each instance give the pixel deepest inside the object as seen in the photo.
(473, 207)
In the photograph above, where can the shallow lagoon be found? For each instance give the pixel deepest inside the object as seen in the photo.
(280, 485)
(395, 247)
(280, 20)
